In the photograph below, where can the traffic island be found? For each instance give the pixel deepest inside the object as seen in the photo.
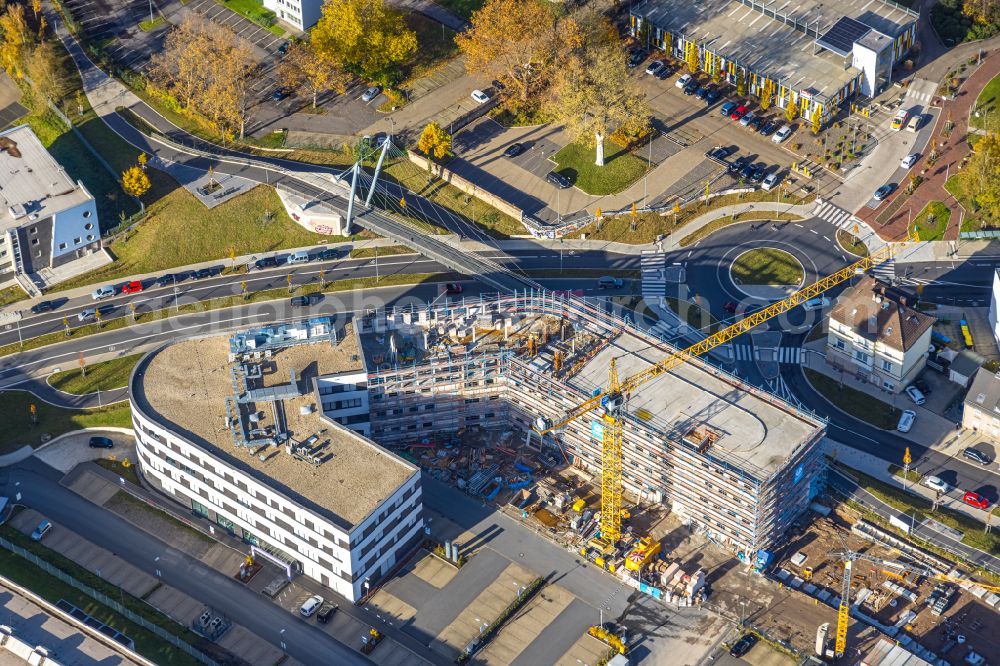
(767, 273)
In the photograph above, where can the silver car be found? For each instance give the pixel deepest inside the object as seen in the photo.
(371, 93)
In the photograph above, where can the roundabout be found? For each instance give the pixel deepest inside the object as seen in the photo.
(767, 273)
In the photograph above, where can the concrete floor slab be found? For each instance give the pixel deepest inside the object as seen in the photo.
(391, 653)
(176, 604)
(433, 571)
(586, 650)
(525, 627)
(254, 650)
(390, 606)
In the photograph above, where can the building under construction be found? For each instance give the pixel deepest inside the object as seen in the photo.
(732, 461)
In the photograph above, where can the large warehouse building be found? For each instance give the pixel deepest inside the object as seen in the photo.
(810, 53)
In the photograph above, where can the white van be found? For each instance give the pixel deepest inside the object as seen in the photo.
(914, 123)
(301, 257)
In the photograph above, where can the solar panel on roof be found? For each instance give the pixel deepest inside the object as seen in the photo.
(841, 36)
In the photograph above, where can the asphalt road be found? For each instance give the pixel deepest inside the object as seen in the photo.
(40, 490)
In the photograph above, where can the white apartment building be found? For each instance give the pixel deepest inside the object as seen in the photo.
(982, 405)
(300, 14)
(876, 335)
(46, 220)
(994, 307)
(300, 489)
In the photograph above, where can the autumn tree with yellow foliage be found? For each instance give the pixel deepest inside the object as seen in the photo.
(434, 142)
(363, 36)
(15, 40)
(304, 66)
(135, 182)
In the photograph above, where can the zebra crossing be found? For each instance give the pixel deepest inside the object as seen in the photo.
(786, 355)
(920, 90)
(653, 266)
(886, 271)
(836, 216)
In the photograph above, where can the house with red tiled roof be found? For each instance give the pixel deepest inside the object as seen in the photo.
(876, 334)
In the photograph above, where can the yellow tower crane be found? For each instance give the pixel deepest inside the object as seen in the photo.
(611, 401)
(844, 611)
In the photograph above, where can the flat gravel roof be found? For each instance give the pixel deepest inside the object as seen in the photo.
(184, 386)
(756, 434)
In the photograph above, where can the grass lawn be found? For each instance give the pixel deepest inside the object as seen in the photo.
(12, 294)
(851, 244)
(254, 10)
(436, 46)
(650, 225)
(621, 168)
(723, 222)
(491, 220)
(767, 265)
(127, 472)
(156, 517)
(976, 218)
(386, 251)
(856, 403)
(179, 230)
(932, 221)
(16, 428)
(148, 25)
(387, 279)
(52, 590)
(912, 476)
(100, 376)
(988, 106)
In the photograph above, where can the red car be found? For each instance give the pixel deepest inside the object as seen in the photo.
(739, 112)
(453, 289)
(730, 307)
(976, 500)
(133, 287)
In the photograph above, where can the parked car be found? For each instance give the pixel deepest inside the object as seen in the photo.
(783, 133)
(738, 112)
(557, 179)
(935, 483)
(132, 287)
(281, 93)
(884, 191)
(498, 85)
(266, 262)
(759, 171)
(283, 49)
(768, 128)
(701, 92)
(978, 456)
(755, 123)
(691, 88)
(300, 257)
(683, 81)
(746, 172)
(43, 306)
(915, 395)
(770, 181)
(747, 118)
(101, 293)
(203, 273)
(664, 73)
(328, 254)
(906, 420)
(654, 67)
(818, 303)
(306, 300)
(727, 108)
(101, 443)
(480, 96)
(164, 280)
(608, 282)
(737, 165)
(326, 612)
(922, 385)
(371, 93)
(452, 289)
(513, 150)
(742, 646)
(909, 160)
(311, 605)
(721, 152)
(712, 96)
(40, 531)
(636, 57)
(976, 500)
(915, 122)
